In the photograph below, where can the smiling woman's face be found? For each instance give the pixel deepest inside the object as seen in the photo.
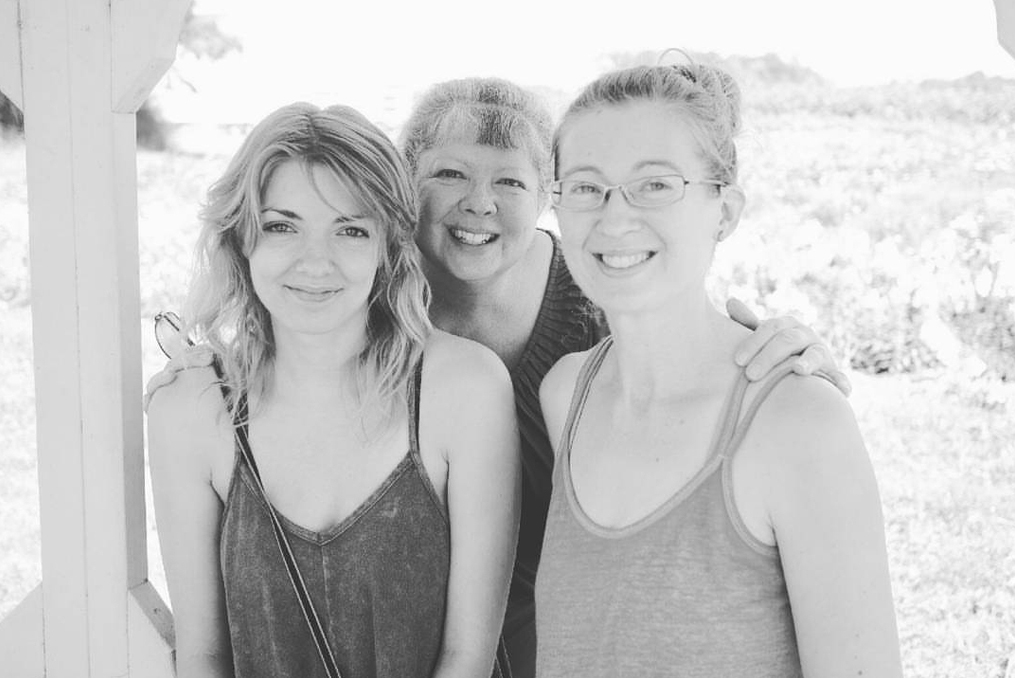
(626, 257)
(478, 208)
(317, 253)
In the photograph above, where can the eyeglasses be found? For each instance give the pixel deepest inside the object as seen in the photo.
(579, 195)
(168, 335)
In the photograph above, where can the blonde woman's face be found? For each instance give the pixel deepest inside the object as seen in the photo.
(317, 253)
(479, 206)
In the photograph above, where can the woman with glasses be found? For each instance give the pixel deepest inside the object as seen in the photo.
(340, 451)
(700, 524)
(479, 151)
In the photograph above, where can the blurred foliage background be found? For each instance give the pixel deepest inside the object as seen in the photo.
(881, 216)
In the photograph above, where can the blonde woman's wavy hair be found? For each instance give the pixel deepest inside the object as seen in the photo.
(223, 310)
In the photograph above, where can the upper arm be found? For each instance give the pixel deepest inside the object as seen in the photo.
(183, 428)
(473, 404)
(555, 394)
(825, 510)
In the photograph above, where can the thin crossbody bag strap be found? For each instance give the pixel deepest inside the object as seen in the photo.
(288, 558)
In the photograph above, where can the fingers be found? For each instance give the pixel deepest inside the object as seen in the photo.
(740, 312)
(192, 355)
(787, 342)
(162, 378)
(188, 357)
(818, 358)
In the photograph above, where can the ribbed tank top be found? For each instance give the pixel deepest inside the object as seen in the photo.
(567, 322)
(378, 579)
(685, 591)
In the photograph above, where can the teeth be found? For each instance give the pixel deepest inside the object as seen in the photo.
(470, 238)
(623, 260)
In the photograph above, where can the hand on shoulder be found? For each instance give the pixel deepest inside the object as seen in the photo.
(187, 414)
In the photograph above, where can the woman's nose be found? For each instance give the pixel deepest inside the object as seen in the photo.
(315, 257)
(479, 200)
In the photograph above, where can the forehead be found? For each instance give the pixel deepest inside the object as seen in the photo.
(295, 183)
(478, 155)
(618, 139)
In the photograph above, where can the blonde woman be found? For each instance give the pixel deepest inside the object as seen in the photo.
(386, 449)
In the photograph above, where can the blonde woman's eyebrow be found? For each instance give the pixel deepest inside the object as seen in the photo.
(341, 219)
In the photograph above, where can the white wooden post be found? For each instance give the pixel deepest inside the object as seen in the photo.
(1006, 24)
(80, 69)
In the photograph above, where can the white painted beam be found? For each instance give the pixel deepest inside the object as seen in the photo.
(21, 651)
(82, 202)
(1006, 24)
(145, 36)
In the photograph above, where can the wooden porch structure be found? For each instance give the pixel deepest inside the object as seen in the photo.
(79, 69)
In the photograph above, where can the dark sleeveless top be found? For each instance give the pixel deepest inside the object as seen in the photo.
(378, 579)
(567, 322)
(685, 591)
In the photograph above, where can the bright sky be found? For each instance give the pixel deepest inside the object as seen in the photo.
(374, 54)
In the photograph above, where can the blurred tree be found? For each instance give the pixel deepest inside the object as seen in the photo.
(11, 118)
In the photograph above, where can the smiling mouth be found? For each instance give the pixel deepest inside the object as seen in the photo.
(316, 295)
(470, 238)
(622, 261)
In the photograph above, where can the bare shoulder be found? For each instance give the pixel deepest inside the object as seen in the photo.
(189, 413)
(559, 381)
(467, 403)
(556, 389)
(806, 431)
(452, 363)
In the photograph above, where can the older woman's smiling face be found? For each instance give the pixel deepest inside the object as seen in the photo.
(478, 208)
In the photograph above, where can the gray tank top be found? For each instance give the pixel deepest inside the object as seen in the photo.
(685, 591)
(378, 579)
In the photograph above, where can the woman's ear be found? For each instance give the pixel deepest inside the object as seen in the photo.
(733, 201)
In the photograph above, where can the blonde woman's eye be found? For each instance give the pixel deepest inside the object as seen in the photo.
(277, 227)
(355, 232)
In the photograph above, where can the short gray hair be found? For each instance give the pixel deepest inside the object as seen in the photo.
(487, 111)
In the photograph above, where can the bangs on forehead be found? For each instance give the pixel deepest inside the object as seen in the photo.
(485, 125)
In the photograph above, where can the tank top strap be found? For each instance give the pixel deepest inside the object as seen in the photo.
(415, 386)
(738, 424)
(240, 434)
(581, 390)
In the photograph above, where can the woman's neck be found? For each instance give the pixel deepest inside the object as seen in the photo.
(316, 366)
(461, 304)
(665, 352)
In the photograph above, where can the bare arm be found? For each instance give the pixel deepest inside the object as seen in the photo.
(181, 435)
(475, 408)
(555, 394)
(826, 514)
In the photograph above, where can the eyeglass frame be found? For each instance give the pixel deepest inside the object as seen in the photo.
(554, 190)
(173, 320)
